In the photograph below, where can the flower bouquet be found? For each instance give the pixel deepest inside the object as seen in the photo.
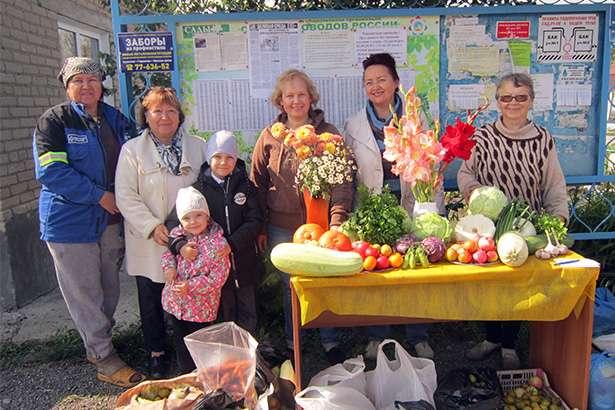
(324, 162)
(419, 156)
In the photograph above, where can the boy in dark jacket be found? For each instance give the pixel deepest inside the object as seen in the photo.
(233, 203)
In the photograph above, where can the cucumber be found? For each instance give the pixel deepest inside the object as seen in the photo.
(536, 242)
(307, 260)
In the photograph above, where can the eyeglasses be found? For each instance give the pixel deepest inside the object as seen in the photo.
(519, 98)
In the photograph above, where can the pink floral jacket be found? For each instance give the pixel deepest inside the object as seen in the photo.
(206, 275)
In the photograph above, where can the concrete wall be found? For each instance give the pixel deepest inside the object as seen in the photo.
(29, 64)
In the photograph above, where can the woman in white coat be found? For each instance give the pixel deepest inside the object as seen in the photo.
(363, 132)
(152, 168)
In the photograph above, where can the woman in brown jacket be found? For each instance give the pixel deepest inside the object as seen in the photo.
(273, 173)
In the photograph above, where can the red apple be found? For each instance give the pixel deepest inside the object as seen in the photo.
(360, 247)
(383, 262)
(492, 256)
(479, 256)
(536, 382)
(371, 251)
(486, 243)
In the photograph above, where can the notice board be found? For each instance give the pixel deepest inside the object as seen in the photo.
(227, 69)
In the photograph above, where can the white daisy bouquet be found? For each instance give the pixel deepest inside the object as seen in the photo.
(324, 160)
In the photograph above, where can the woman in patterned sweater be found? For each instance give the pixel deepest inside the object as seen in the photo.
(520, 158)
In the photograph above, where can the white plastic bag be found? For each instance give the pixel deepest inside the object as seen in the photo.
(351, 374)
(404, 378)
(333, 398)
(605, 342)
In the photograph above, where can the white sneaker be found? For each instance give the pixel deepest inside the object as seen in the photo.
(371, 350)
(424, 350)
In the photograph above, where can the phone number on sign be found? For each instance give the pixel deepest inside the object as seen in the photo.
(149, 67)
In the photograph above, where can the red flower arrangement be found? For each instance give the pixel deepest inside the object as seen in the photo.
(419, 157)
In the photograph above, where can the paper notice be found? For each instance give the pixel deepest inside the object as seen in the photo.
(207, 52)
(574, 94)
(543, 88)
(465, 96)
(520, 53)
(234, 50)
(327, 49)
(389, 40)
(479, 61)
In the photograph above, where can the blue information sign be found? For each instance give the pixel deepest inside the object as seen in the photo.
(151, 51)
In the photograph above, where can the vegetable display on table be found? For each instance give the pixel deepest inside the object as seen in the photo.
(379, 236)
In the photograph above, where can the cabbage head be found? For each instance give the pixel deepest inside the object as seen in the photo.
(431, 224)
(488, 201)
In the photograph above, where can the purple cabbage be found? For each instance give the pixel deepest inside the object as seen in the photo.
(405, 242)
(435, 248)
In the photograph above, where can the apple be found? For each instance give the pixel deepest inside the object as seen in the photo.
(536, 382)
(479, 256)
(486, 243)
(383, 262)
(360, 247)
(492, 256)
(371, 251)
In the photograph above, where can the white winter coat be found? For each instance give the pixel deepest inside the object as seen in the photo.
(141, 194)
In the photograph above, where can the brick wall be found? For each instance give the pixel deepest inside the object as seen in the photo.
(29, 63)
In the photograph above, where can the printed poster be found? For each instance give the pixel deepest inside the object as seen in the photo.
(569, 37)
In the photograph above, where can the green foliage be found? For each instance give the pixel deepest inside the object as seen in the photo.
(377, 218)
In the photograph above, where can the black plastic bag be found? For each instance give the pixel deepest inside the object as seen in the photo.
(469, 389)
(218, 400)
(413, 405)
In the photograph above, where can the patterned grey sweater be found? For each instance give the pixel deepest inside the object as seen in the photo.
(522, 163)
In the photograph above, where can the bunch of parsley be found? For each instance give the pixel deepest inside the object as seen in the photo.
(544, 221)
(378, 218)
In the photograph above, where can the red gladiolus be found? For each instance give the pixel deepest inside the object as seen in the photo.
(457, 141)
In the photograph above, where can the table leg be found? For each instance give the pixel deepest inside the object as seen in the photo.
(296, 337)
(563, 350)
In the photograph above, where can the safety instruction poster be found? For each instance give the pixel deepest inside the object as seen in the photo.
(569, 37)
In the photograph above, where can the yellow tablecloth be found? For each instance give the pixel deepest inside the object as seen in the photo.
(537, 290)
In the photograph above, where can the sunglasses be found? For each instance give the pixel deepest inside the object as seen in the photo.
(519, 98)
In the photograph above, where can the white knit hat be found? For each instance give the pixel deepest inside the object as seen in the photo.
(188, 200)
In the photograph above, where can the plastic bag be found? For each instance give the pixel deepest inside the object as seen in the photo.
(605, 342)
(225, 358)
(405, 378)
(413, 405)
(604, 313)
(333, 398)
(602, 381)
(129, 400)
(348, 374)
(458, 390)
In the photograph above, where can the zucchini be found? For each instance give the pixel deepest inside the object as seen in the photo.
(536, 242)
(307, 260)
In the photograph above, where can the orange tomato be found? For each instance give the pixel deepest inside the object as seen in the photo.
(451, 254)
(470, 246)
(396, 260)
(465, 257)
(457, 246)
(369, 263)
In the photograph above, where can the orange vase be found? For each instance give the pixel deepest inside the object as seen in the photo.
(317, 210)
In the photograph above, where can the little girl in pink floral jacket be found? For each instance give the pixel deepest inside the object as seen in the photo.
(192, 291)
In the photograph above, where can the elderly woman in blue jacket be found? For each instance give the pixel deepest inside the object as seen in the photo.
(363, 132)
(76, 148)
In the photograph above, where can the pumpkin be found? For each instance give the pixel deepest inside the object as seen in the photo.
(307, 260)
(471, 225)
(335, 240)
(308, 232)
(512, 249)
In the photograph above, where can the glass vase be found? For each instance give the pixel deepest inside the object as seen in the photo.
(422, 207)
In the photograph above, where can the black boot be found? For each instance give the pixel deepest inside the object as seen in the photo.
(157, 367)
